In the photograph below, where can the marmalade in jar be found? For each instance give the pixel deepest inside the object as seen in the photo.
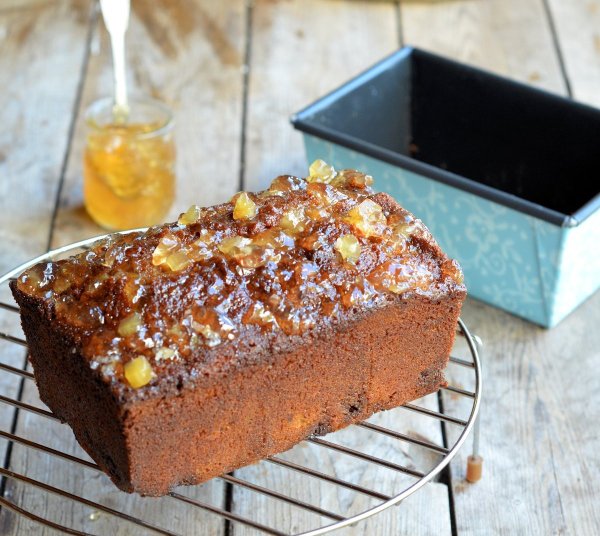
(129, 166)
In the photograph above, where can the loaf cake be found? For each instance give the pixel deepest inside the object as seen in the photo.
(200, 346)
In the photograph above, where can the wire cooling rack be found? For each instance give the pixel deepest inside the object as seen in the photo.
(323, 484)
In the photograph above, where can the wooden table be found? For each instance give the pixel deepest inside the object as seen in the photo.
(234, 72)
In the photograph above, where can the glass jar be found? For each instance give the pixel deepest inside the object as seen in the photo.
(129, 165)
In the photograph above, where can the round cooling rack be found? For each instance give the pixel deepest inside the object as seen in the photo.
(320, 485)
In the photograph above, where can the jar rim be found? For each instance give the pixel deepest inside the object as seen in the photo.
(165, 125)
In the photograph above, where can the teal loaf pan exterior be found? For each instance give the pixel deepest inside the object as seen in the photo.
(506, 177)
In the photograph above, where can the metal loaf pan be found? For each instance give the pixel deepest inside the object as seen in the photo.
(507, 177)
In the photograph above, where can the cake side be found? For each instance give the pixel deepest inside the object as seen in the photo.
(267, 408)
(74, 392)
(226, 421)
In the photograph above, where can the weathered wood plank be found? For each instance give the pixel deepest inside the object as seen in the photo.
(42, 48)
(299, 51)
(509, 37)
(190, 55)
(13, 5)
(577, 26)
(41, 57)
(537, 433)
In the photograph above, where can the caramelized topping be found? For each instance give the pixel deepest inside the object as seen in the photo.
(303, 254)
(286, 183)
(260, 315)
(350, 178)
(212, 325)
(397, 277)
(248, 253)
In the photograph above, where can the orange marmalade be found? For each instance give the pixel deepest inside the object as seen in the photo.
(129, 171)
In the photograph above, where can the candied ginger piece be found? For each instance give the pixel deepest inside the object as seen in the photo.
(320, 171)
(129, 325)
(191, 215)
(138, 372)
(244, 208)
(178, 260)
(294, 221)
(167, 245)
(368, 218)
(348, 247)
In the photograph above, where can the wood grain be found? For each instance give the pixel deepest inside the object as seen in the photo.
(541, 404)
(301, 50)
(190, 55)
(537, 438)
(509, 37)
(577, 26)
(534, 438)
(41, 53)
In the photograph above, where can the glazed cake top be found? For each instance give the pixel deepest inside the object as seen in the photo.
(247, 276)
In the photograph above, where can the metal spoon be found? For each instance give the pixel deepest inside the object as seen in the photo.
(116, 19)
